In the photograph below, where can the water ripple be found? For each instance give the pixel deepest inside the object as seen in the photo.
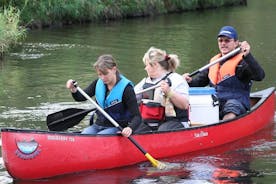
(4, 176)
(32, 51)
(35, 114)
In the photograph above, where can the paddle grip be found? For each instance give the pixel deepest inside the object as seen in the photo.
(75, 83)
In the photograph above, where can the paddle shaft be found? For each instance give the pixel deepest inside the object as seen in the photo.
(223, 58)
(147, 89)
(69, 117)
(109, 118)
(103, 112)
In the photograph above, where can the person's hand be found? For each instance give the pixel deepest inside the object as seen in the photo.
(187, 77)
(70, 85)
(245, 47)
(165, 87)
(126, 132)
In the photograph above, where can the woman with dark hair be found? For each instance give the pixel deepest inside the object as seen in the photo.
(115, 94)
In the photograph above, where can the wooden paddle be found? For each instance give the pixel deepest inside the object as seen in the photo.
(223, 58)
(67, 118)
(153, 161)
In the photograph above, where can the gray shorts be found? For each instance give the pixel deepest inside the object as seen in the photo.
(232, 106)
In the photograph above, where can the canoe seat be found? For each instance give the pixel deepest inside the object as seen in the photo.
(195, 124)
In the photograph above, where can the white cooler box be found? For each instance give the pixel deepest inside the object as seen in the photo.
(203, 108)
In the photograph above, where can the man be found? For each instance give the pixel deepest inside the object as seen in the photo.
(232, 78)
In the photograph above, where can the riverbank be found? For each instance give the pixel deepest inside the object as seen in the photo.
(39, 14)
(33, 14)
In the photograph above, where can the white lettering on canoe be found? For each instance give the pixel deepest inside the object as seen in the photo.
(201, 134)
(60, 138)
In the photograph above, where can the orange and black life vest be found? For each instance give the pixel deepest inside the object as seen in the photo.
(218, 73)
(224, 79)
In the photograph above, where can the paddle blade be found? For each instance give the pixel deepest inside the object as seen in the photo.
(155, 163)
(67, 118)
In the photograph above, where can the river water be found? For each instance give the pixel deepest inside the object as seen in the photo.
(33, 78)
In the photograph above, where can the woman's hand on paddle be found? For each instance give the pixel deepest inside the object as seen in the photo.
(187, 77)
(165, 88)
(126, 132)
(70, 85)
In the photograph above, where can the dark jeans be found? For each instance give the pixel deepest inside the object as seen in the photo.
(231, 106)
(97, 129)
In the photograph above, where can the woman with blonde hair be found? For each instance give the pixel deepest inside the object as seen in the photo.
(165, 107)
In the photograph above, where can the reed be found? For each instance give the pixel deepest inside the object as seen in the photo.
(39, 13)
(10, 31)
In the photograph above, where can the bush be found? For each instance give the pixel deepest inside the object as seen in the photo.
(10, 31)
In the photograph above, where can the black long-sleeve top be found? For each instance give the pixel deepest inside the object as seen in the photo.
(128, 100)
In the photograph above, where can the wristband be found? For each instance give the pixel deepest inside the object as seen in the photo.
(170, 94)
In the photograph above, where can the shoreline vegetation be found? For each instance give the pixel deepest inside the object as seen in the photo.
(10, 31)
(18, 16)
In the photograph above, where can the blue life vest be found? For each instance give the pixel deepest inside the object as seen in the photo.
(112, 103)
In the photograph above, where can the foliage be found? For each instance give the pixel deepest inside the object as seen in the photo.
(10, 32)
(40, 13)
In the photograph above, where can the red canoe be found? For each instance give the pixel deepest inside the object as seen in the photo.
(33, 154)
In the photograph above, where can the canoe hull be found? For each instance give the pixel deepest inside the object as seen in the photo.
(32, 154)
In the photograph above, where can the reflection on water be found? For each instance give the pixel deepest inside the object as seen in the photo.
(38, 50)
(36, 116)
(4, 176)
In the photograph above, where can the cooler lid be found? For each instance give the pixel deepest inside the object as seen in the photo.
(201, 90)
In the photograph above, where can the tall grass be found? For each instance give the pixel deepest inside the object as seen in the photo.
(48, 12)
(40, 13)
(10, 31)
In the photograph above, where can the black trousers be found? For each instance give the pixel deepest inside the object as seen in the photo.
(164, 126)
